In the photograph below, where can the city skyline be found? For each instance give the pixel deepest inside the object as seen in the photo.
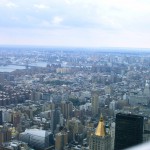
(70, 98)
(78, 23)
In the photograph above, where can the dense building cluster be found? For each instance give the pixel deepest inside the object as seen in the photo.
(81, 99)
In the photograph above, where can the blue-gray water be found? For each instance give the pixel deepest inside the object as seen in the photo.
(11, 68)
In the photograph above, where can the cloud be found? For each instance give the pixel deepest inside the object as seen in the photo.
(41, 6)
(57, 20)
(110, 18)
(45, 23)
(104, 14)
(11, 5)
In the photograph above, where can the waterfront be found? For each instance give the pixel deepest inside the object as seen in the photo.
(11, 68)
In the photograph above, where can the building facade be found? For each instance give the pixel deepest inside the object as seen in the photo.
(95, 103)
(128, 131)
(100, 140)
(61, 140)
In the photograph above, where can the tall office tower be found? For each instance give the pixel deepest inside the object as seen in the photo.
(35, 96)
(112, 132)
(128, 131)
(55, 119)
(100, 140)
(66, 108)
(147, 89)
(75, 128)
(16, 118)
(5, 134)
(52, 106)
(95, 102)
(1, 117)
(61, 140)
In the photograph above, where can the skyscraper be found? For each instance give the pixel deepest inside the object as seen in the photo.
(5, 134)
(35, 96)
(66, 108)
(75, 127)
(95, 102)
(1, 117)
(147, 89)
(100, 140)
(55, 119)
(61, 140)
(129, 130)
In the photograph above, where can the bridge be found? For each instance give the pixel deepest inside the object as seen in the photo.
(25, 65)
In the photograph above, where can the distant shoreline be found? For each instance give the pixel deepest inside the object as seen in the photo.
(83, 49)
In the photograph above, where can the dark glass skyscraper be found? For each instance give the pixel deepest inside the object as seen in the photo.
(1, 117)
(55, 119)
(129, 130)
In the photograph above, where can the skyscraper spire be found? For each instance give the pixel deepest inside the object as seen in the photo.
(100, 140)
(100, 130)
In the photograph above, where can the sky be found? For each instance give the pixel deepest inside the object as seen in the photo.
(80, 23)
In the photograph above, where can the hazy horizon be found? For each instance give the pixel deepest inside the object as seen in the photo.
(77, 48)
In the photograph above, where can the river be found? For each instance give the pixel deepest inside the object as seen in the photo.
(11, 68)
